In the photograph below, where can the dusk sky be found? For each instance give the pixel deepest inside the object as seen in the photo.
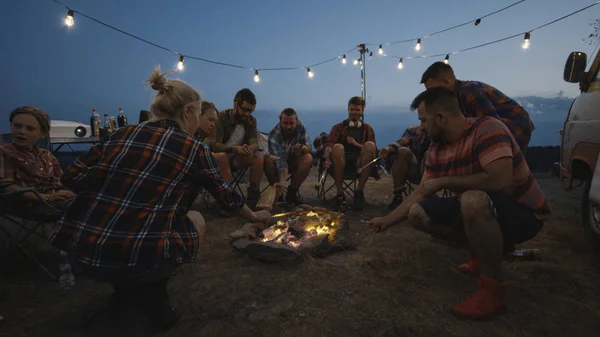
(69, 71)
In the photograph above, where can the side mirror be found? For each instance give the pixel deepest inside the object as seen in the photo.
(575, 67)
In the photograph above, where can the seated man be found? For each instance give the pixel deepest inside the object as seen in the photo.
(499, 205)
(24, 164)
(351, 145)
(478, 99)
(289, 141)
(405, 158)
(237, 136)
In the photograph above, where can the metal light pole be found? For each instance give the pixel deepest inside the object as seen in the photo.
(363, 50)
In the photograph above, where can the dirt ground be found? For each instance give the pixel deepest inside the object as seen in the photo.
(398, 283)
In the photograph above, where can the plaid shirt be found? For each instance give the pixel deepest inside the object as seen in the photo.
(279, 146)
(339, 134)
(130, 190)
(483, 141)
(416, 139)
(479, 99)
(36, 168)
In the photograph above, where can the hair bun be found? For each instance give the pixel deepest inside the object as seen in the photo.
(158, 81)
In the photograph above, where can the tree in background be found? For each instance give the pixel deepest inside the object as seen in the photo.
(594, 37)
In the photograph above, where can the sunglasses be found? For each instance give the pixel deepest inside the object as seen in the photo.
(244, 109)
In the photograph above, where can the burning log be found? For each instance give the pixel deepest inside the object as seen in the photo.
(310, 230)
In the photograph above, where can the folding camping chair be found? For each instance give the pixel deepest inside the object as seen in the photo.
(26, 223)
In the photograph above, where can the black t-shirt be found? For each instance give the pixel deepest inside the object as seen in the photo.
(351, 150)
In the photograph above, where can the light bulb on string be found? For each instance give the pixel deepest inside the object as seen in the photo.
(344, 59)
(256, 77)
(370, 55)
(418, 46)
(477, 22)
(447, 59)
(380, 50)
(180, 63)
(355, 62)
(310, 73)
(526, 41)
(69, 21)
(400, 66)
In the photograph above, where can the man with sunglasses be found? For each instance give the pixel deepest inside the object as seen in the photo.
(237, 135)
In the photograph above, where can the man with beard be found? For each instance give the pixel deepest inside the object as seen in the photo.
(499, 202)
(289, 141)
(478, 99)
(237, 135)
(350, 145)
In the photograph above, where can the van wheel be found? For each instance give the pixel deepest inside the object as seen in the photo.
(590, 212)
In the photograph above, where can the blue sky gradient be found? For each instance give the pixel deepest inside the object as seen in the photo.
(69, 71)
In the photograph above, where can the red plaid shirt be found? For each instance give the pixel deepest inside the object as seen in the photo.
(339, 134)
(128, 211)
(36, 168)
(478, 99)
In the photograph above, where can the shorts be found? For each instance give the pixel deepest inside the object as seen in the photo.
(518, 223)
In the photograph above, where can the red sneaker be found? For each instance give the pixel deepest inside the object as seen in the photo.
(489, 299)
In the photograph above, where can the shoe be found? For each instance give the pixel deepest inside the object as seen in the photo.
(472, 267)
(395, 202)
(359, 200)
(340, 202)
(153, 301)
(292, 197)
(489, 299)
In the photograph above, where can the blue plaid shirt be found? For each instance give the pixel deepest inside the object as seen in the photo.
(278, 146)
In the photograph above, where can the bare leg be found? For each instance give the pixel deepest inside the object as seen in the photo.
(483, 232)
(302, 170)
(224, 166)
(256, 171)
(401, 168)
(270, 170)
(338, 160)
(367, 154)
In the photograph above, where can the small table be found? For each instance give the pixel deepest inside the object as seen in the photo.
(62, 141)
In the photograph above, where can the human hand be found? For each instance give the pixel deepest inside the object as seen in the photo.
(352, 141)
(378, 224)
(62, 195)
(262, 216)
(296, 148)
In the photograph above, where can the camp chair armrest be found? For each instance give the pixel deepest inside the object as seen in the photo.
(23, 190)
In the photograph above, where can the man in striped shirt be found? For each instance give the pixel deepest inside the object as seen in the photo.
(499, 202)
(478, 99)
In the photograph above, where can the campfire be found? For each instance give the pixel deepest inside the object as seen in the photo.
(309, 230)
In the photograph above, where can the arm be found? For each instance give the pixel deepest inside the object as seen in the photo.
(332, 139)
(78, 171)
(276, 149)
(218, 145)
(252, 133)
(305, 140)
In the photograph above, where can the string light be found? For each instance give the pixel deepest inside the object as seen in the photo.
(355, 62)
(344, 59)
(526, 41)
(477, 22)
(447, 59)
(310, 73)
(69, 21)
(400, 66)
(418, 46)
(180, 63)
(380, 50)
(256, 77)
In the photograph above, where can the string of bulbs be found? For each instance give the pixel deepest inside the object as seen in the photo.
(70, 21)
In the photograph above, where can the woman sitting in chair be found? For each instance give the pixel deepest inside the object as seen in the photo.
(127, 226)
(24, 165)
(209, 116)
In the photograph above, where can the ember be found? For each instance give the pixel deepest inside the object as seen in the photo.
(295, 228)
(308, 230)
